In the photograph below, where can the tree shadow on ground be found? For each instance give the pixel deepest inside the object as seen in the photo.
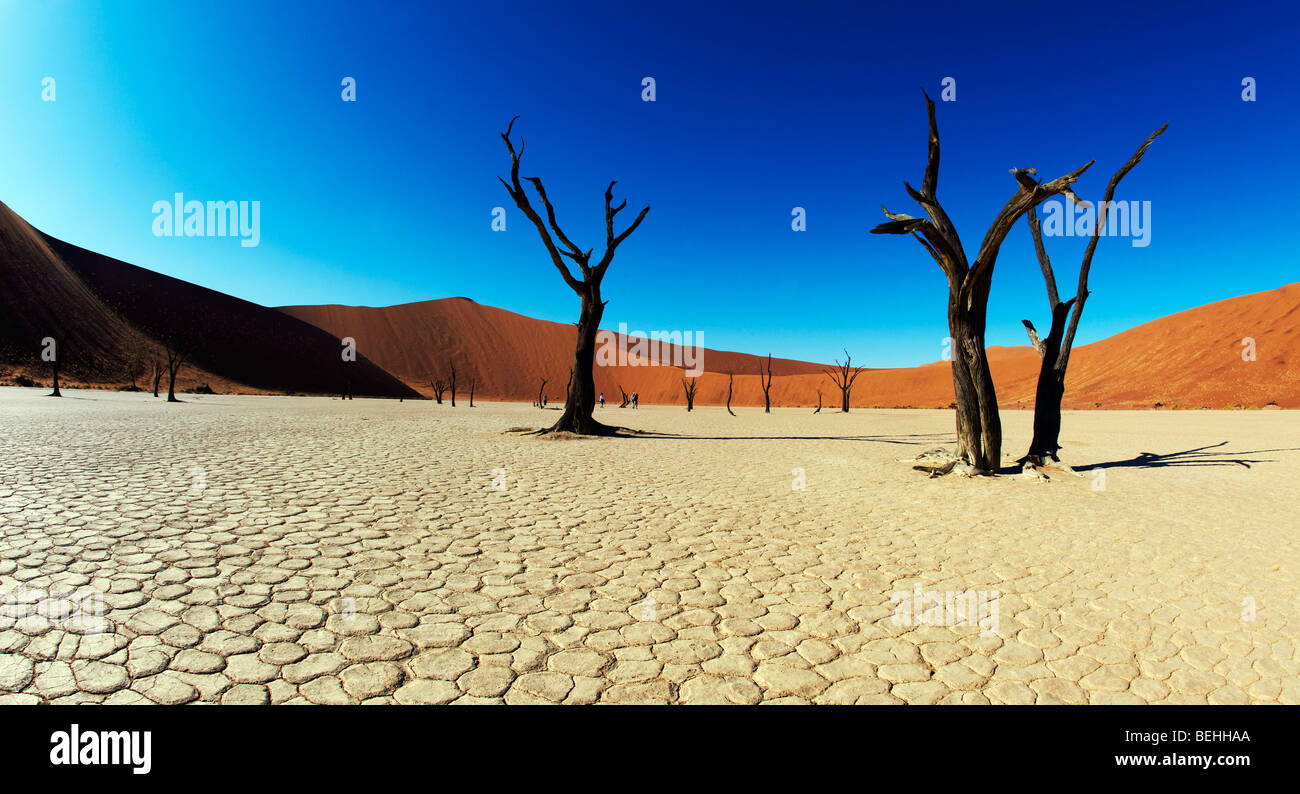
(895, 439)
(1208, 455)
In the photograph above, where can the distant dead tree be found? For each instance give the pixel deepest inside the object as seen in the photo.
(541, 403)
(766, 384)
(439, 387)
(689, 386)
(472, 382)
(1055, 350)
(157, 366)
(626, 398)
(176, 356)
(53, 353)
(819, 402)
(843, 376)
(731, 376)
(452, 367)
(979, 428)
(133, 367)
(581, 398)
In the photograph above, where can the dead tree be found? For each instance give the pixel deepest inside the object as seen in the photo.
(731, 376)
(819, 402)
(626, 397)
(473, 381)
(133, 368)
(766, 384)
(540, 397)
(439, 387)
(581, 398)
(979, 428)
(157, 373)
(1055, 350)
(843, 376)
(689, 386)
(452, 366)
(175, 358)
(54, 365)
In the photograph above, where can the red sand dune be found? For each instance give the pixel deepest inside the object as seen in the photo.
(1192, 359)
(103, 310)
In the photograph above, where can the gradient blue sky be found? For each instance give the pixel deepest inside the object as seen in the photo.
(761, 108)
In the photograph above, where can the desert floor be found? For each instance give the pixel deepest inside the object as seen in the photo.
(295, 549)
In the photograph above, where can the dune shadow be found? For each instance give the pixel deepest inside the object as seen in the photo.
(1208, 455)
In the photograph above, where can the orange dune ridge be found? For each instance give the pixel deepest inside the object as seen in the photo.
(1191, 359)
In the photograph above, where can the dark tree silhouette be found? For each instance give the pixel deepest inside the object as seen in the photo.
(626, 397)
(979, 428)
(843, 376)
(541, 401)
(473, 381)
(175, 358)
(54, 365)
(731, 376)
(133, 367)
(157, 373)
(766, 384)
(689, 386)
(819, 402)
(581, 398)
(452, 366)
(1055, 350)
(439, 387)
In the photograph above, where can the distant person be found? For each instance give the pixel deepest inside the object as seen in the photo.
(544, 401)
(635, 397)
(602, 399)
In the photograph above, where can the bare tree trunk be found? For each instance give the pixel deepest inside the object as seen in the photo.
(453, 384)
(175, 357)
(689, 388)
(979, 429)
(730, 377)
(843, 376)
(819, 402)
(439, 388)
(626, 398)
(541, 398)
(581, 398)
(157, 375)
(472, 382)
(766, 384)
(1055, 350)
(54, 364)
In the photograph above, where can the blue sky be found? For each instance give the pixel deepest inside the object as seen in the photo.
(760, 108)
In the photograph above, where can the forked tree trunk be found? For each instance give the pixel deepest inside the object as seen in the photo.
(581, 398)
(730, 377)
(979, 431)
(979, 427)
(766, 384)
